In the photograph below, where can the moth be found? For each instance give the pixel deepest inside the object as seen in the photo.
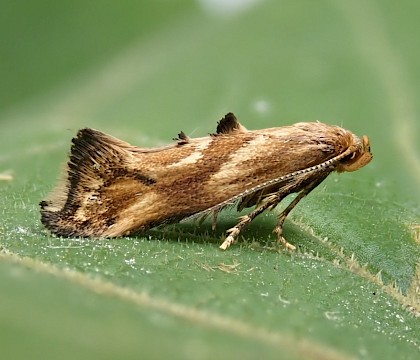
(112, 189)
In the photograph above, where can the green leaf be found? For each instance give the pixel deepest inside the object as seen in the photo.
(145, 71)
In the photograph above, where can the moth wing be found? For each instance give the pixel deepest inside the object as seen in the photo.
(282, 186)
(241, 201)
(95, 173)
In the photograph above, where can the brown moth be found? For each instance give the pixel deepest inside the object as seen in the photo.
(112, 188)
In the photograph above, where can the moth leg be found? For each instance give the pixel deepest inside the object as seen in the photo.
(271, 202)
(245, 220)
(279, 227)
(214, 222)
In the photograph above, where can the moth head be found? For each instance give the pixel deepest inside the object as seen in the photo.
(359, 155)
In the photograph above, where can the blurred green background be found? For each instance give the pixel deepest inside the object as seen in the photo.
(143, 71)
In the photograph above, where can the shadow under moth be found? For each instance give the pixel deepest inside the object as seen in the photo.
(111, 188)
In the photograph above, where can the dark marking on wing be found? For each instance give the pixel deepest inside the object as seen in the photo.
(182, 138)
(229, 125)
